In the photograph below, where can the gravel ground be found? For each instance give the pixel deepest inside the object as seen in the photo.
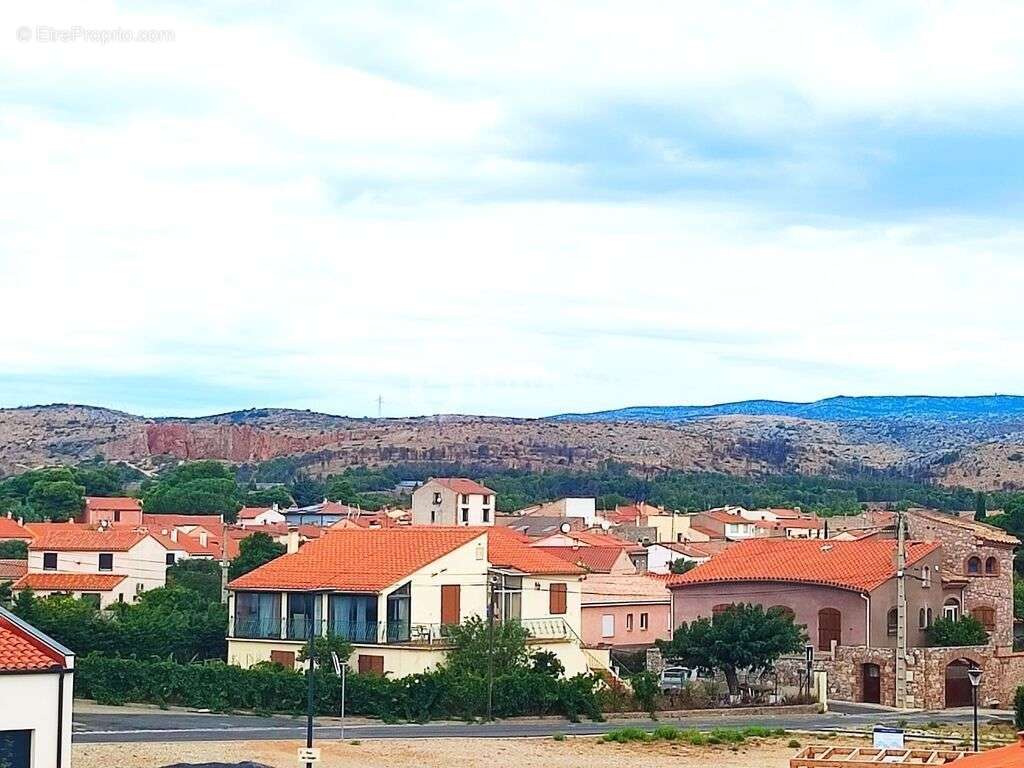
(446, 753)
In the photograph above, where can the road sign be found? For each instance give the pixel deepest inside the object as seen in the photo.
(887, 738)
(337, 663)
(309, 754)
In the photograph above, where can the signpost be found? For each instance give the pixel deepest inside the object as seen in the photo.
(309, 755)
(887, 738)
(974, 674)
(340, 670)
(809, 659)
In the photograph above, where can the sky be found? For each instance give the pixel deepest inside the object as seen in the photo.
(519, 208)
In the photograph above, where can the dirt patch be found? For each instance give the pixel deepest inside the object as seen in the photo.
(442, 753)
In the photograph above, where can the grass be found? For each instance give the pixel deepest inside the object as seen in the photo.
(695, 738)
(558, 736)
(794, 744)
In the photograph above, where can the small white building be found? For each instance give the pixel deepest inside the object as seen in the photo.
(453, 501)
(248, 516)
(36, 694)
(661, 556)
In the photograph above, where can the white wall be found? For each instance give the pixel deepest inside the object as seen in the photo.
(659, 559)
(449, 511)
(145, 565)
(29, 702)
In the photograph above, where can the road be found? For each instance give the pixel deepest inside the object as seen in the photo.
(113, 726)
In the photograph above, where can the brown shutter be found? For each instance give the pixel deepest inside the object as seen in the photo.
(451, 611)
(371, 665)
(285, 658)
(830, 627)
(987, 617)
(556, 599)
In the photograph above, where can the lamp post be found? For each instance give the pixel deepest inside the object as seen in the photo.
(974, 673)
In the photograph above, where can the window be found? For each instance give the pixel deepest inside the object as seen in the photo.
(433, 515)
(465, 514)
(508, 598)
(257, 614)
(974, 566)
(830, 627)
(991, 566)
(951, 609)
(608, 625)
(926, 577)
(92, 598)
(117, 516)
(353, 617)
(922, 619)
(106, 561)
(892, 621)
(49, 561)
(437, 498)
(169, 559)
(987, 617)
(465, 498)
(399, 614)
(486, 514)
(629, 622)
(644, 621)
(304, 615)
(929, 619)
(556, 599)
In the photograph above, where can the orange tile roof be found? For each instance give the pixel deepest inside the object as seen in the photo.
(9, 529)
(118, 503)
(20, 652)
(860, 566)
(510, 549)
(69, 582)
(211, 522)
(593, 559)
(190, 545)
(13, 569)
(251, 513)
(83, 539)
(594, 539)
(357, 560)
(981, 530)
(463, 485)
(1011, 756)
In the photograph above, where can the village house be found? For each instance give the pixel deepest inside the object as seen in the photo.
(625, 611)
(114, 509)
(37, 691)
(324, 514)
(661, 556)
(260, 516)
(105, 565)
(453, 501)
(391, 593)
(583, 510)
(725, 523)
(13, 530)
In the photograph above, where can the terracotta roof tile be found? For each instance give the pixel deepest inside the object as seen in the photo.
(9, 529)
(251, 513)
(118, 503)
(981, 530)
(463, 485)
(20, 652)
(860, 566)
(593, 559)
(510, 549)
(1011, 756)
(82, 539)
(70, 582)
(210, 522)
(13, 569)
(357, 560)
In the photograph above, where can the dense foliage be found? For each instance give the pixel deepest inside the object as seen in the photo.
(254, 551)
(1018, 708)
(201, 576)
(13, 549)
(199, 487)
(744, 636)
(947, 633)
(472, 646)
(168, 622)
(59, 493)
(440, 694)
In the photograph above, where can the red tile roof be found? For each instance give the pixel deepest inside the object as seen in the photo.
(9, 529)
(1011, 756)
(21, 652)
(69, 582)
(510, 549)
(357, 560)
(13, 569)
(688, 548)
(463, 485)
(251, 513)
(594, 539)
(112, 503)
(66, 538)
(860, 566)
(593, 559)
(210, 522)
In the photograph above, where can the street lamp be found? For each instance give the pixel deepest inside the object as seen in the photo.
(974, 673)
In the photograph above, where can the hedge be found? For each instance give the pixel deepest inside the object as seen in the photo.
(441, 694)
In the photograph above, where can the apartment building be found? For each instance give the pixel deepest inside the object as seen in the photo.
(453, 501)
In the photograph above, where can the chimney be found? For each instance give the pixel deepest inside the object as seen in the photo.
(21, 521)
(203, 537)
(174, 534)
(8, 514)
(293, 541)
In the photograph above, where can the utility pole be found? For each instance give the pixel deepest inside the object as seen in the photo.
(223, 562)
(310, 598)
(490, 645)
(901, 612)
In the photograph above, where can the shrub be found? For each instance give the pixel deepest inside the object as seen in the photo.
(1018, 708)
(645, 690)
(666, 733)
(625, 735)
(558, 736)
(793, 744)
(947, 633)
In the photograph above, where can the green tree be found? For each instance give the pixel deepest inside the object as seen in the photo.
(269, 497)
(340, 489)
(1018, 598)
(980, 507)
(547, 663)
(254, 551)
(744, 636)
(58, 500)
(471, 647)
(322, 649)
(12, 549)
(947, 633)
(201, 576)
(682, 566)
(307, 490)
(6, 594)
(645, 690)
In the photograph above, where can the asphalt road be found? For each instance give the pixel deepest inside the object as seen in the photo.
(182, 726)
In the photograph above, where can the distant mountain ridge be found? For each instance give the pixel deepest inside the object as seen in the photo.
(840, 408)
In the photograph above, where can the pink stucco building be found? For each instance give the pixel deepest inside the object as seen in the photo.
(624, 611)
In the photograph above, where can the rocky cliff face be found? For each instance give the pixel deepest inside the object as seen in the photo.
(235, 443)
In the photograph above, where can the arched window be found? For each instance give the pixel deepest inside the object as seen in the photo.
(892, 620)
(830, 627)
(782, 610)
(926, 577)
(974, 565)
(929, 619)
(991, 566)
(987, 617)
(951, 609)
(922, 619)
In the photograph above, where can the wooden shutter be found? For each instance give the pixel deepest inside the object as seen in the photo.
(556, 599)
(830, 627)
(371, 665)
(987, 617)
(285, 658)
(451, 610)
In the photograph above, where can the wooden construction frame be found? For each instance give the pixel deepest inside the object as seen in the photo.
(871, 757)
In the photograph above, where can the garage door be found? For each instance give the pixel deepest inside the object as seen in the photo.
(15, 748)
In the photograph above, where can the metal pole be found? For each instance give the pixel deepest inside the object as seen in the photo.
(344, 670)
(490, 646)
(901, 613)
(309, 672)
(974, 697)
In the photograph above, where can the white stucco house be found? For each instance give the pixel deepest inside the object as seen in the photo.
(36, 694)
(453, 501)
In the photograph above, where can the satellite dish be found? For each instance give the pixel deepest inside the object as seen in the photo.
(565, 527)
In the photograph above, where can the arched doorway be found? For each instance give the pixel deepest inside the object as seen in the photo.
(958, 684)
(871, 684)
